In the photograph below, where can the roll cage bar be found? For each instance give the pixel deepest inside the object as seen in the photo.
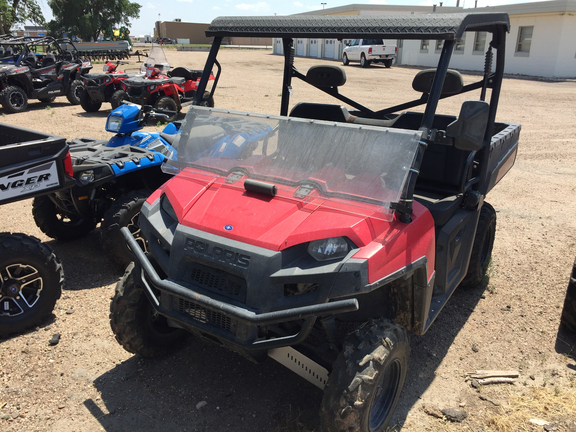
(447, 27)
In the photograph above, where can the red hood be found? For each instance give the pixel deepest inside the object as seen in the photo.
(272, 223)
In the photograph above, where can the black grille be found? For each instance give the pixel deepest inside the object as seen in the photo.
(217, 281)
(204, 315)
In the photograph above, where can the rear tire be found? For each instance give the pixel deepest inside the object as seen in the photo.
(123, 213)
(117, 97)
(207, 100)
(136, 325)
(89, 104)
(366, 379)
(57, 224)
(363, 62)
(388, 63)
(74, 92)
(482, 248)
(31, 280)
(14, 99)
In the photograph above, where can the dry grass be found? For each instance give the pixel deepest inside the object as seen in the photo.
(551, 405)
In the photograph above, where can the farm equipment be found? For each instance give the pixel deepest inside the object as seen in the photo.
(31, 276)
(113, 178)
(569, 310)
(321, 236)
(101, 50)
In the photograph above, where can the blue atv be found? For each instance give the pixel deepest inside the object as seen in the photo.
(113, 179)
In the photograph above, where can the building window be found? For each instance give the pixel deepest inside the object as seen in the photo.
(480, 41)
(439, 45)
(459, 45)
(424, 45)
(524, 39)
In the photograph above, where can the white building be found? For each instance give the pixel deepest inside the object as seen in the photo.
(540, 42)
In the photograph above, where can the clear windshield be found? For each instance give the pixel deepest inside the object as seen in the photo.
(156, 58)
(345, 166)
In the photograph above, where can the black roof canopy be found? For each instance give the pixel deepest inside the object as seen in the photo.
(414, 26)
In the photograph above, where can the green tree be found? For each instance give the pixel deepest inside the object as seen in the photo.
(19, 11)
(87, 18)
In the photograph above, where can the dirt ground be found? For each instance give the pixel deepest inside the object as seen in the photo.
(87, 382)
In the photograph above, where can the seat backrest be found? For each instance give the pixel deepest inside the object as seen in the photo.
(326, 76)
(181, 72)
(49, 59)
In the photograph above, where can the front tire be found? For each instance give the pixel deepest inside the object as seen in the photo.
(167, 103)
(89, 104)
(117, 97)
(14, 99)
(75, 91)
(366, 379)
(123, 213)
(345, 60)
(31, 280)
(482, 248)
(57, 224)
(136, 325)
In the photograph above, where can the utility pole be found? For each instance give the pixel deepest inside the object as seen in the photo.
(323, 4)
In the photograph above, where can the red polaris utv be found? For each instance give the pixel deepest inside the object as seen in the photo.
(319, 237)
(103, 87)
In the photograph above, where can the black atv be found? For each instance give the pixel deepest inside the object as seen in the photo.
(31, 276)
(103, 87)
(38, 68)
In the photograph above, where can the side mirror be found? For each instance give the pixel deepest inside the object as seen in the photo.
(469, 128)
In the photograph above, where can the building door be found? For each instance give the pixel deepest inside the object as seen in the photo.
(329, 49)
(313, 47)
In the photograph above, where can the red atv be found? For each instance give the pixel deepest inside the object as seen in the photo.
(103, 87)
(166, 92)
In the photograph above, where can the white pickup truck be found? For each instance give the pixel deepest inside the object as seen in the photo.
(368, 51)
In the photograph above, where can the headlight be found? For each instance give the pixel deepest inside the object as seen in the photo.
(113, 123)
(86, 177)
(166, 206)
(328, 249)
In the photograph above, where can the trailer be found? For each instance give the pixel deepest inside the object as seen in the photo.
(101, 50)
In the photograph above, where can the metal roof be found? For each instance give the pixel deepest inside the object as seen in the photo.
(417, 26)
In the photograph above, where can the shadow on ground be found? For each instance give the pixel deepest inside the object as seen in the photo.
(242, 396)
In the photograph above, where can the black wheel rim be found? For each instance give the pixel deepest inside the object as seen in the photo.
(16, 99)
(78, 91)
(386, 391)
(20, 288)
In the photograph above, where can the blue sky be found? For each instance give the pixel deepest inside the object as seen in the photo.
(202, 11)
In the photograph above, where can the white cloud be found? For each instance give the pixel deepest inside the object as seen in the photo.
(150, 5)
(186, 1)
(216, 7)
(380, 2)
(254, 7)
(298, 4)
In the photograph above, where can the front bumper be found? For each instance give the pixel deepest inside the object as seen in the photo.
(208, 315)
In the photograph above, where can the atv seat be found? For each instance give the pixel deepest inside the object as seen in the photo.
(49, 59)
(441, 208)
(319, 111)
(181, 72)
